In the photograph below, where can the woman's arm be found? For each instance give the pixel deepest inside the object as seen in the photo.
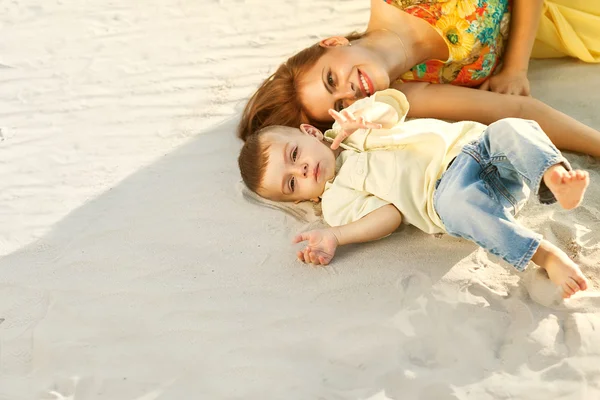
(457, 103)
(524, 23)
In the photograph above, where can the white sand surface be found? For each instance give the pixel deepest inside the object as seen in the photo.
(134, 268)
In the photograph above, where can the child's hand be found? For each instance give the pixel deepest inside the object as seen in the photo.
(321, 246)
(349, 124)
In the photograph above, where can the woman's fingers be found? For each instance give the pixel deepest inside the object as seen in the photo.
(485, 85)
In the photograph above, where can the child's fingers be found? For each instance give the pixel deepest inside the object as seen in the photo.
(301, 237)
(348, 115)
(337, 116)
(338, 140)
(307, 255)
(359, 122)
(372, 125)
(363, 123)
(314, 258)
(359, 112)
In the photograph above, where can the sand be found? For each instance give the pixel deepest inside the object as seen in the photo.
(133, 267)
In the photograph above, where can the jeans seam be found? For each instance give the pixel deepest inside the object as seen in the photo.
(557, 159)
(493, 181)
(524, 261)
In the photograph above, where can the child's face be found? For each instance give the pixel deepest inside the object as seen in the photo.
(299, 165)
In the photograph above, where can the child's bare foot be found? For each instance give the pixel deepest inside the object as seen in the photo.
(567, 186)
(561, 270)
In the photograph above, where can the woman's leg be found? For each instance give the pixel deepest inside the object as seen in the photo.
(456, 103)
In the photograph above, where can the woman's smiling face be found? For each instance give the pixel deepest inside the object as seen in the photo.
(341, 76)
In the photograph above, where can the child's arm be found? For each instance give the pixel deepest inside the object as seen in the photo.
(322, 243)
(349, 123)
(369, 116)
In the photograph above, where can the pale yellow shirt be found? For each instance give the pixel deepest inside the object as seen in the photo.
(397, 165)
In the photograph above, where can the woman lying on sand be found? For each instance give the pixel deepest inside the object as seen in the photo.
(402, 48)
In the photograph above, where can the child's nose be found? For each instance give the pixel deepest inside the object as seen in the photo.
(302, 170)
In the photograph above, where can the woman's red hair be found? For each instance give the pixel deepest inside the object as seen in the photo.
(276, 102)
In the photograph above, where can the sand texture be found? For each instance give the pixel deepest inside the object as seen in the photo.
(134, 268)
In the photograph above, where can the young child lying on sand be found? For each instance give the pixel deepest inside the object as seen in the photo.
(463, 178)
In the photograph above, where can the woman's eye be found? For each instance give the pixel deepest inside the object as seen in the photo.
(294, 154)
(330, 81)
(292, 184)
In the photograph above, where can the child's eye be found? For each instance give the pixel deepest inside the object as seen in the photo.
(294, 154)
(292, 184)
(338, 106)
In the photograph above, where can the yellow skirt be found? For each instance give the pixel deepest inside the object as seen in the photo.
(569, 28)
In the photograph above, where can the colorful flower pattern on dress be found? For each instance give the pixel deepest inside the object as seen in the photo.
(475, 32)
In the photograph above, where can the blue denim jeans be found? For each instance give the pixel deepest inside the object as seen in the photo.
(479, 195)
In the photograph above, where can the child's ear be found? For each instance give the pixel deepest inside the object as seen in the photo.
(311, 130)
(334, 41)
(315, 200)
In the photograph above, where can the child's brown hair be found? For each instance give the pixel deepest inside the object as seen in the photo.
(253, 159)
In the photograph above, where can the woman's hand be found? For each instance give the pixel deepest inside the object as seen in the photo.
(349, 124)
(507, 82)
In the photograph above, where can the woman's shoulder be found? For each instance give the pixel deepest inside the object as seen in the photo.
(474, 32)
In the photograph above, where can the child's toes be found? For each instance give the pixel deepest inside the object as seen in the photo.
(567, 291)
(581, 282)
(569, 177)
(573, 285)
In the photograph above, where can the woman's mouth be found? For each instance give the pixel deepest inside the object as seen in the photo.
(365, 83)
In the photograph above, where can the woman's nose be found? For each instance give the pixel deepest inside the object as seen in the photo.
(347, 95)
(348, 102)
(347, 91)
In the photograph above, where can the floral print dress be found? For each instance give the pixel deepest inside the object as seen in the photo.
(475, 32)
